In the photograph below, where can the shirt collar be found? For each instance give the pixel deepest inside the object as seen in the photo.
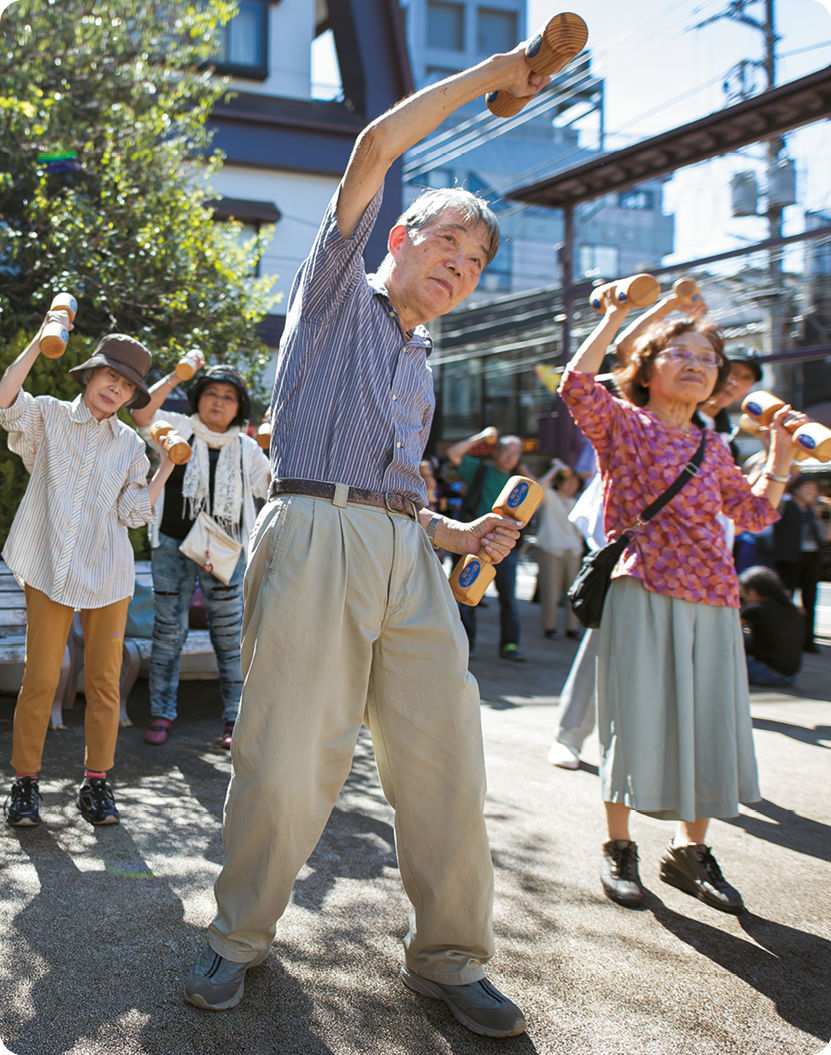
(420, 335)
(81, 415)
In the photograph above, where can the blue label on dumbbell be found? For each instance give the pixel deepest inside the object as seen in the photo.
(73, 303)
(491, 97)
(470, 574)
(534, 46)
(596, 303)
(517, 496)
(752, 407)
(808, 442)
(622, 297)
(64, 335)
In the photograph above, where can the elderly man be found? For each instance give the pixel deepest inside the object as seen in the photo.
(348, 616)
(484, 483)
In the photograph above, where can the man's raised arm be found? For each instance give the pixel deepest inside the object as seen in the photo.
(408, 122)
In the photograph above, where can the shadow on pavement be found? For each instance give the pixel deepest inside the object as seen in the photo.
(788, 829)
(802, 733)
(791, 968)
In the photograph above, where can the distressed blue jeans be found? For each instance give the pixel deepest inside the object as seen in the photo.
(175, 577)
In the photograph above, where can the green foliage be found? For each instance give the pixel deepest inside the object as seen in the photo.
(126, 88)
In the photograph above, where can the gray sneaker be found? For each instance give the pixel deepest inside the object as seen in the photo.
(479, 1005)
(214, 983)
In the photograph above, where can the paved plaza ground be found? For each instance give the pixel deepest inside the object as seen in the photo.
(99, 927)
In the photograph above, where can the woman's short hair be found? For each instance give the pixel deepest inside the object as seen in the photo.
(765, 582)
(432, 203)
(632, 375)
(228, 376)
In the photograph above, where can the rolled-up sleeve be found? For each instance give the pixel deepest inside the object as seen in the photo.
(133, 507)
(23, 421)
(748, 511)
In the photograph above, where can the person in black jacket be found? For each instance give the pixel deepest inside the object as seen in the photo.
(796, 549)
(774, 629)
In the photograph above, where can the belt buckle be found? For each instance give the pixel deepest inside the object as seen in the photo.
(389, 508)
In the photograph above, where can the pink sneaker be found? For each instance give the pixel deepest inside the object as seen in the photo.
(226, 736)
(159, 731)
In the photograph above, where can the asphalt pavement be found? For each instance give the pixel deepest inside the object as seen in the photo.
(98, 927)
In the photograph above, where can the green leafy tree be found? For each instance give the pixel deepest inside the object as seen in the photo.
(105, 169)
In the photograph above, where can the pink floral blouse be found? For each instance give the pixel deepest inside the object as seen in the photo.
(681, 552)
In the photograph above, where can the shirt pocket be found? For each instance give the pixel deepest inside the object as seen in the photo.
(110, 483)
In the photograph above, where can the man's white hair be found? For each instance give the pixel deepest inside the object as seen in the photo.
(474, 210)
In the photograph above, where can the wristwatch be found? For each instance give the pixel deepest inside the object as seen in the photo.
(435, 520)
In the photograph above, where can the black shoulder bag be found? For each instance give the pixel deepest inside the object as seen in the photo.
(588, 591)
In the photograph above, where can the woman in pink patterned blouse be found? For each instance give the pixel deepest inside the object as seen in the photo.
(672, 700)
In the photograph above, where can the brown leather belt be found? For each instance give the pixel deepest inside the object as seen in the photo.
(393, 503)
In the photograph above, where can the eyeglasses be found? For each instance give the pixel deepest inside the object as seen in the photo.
(686, 357)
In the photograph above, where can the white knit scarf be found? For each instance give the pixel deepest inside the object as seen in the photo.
(227, 480)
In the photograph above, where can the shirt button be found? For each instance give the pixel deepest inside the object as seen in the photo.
(394, 396)
(398, 444)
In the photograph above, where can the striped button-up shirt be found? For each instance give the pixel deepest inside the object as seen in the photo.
(353, 396)
(88, 485)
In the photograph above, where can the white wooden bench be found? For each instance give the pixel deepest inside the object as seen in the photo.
(198, 658)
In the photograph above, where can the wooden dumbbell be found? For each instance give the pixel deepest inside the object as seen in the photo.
(518, 499)
(547, 53)
(687, 291)
(189, 364)
(264, 435)
(752, 427)
(813, 438)
(177, 447)
(56, 334)
(638, 290)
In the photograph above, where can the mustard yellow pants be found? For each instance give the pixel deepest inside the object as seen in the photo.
(349, 619)
(46, 634)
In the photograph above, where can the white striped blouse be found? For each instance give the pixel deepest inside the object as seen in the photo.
(88, 485)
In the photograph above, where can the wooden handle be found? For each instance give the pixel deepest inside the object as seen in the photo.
(550, 51)
(55, 335)
(518, 499)
(638, 290)
(264, 435)
(177, 447)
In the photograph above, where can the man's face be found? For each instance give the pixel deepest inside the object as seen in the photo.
(739, 383)
(506, 456)
(436, 267)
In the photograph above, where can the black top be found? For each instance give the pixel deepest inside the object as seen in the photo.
(175, 521)
(777, 634)
(788, 531)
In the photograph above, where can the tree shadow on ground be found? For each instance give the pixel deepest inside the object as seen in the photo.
(802, 733)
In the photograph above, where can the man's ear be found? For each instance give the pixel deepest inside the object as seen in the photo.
(398, 236)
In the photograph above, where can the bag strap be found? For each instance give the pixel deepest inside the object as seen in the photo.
(687, 473)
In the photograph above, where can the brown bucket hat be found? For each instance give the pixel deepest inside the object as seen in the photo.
(127, 357)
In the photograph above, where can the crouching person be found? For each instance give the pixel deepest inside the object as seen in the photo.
(69, 548)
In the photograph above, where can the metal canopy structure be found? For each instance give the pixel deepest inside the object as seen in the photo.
(773, 113)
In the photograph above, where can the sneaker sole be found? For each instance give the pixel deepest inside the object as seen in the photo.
(673, 878)
(633, 902)
(424, 987)
(24, 822)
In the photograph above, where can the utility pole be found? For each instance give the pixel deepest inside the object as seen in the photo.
(776, 337)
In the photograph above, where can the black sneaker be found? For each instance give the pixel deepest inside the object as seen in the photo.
(694, 870)
(96, 802)
(619, 873)
(21, 808)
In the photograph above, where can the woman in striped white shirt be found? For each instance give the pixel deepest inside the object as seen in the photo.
(68, 547)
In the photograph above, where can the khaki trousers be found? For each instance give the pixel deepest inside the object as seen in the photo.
(556, 574)
(349, 619)
(46, 634)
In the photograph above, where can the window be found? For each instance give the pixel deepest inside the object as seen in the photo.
(461, 390)
(244, 50)
(445, 26)
(636, 199)
(495, 31)
(598, 261)
(496, 278)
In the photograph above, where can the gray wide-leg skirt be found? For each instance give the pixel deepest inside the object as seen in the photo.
(673, 710)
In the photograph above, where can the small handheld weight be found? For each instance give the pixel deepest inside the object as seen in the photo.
(264, 435)
(638, 290)
(687, 291)
(189, 364)
(813, 438)
(178, 448)
(55, 333)
(518, 499)
(550, 51)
